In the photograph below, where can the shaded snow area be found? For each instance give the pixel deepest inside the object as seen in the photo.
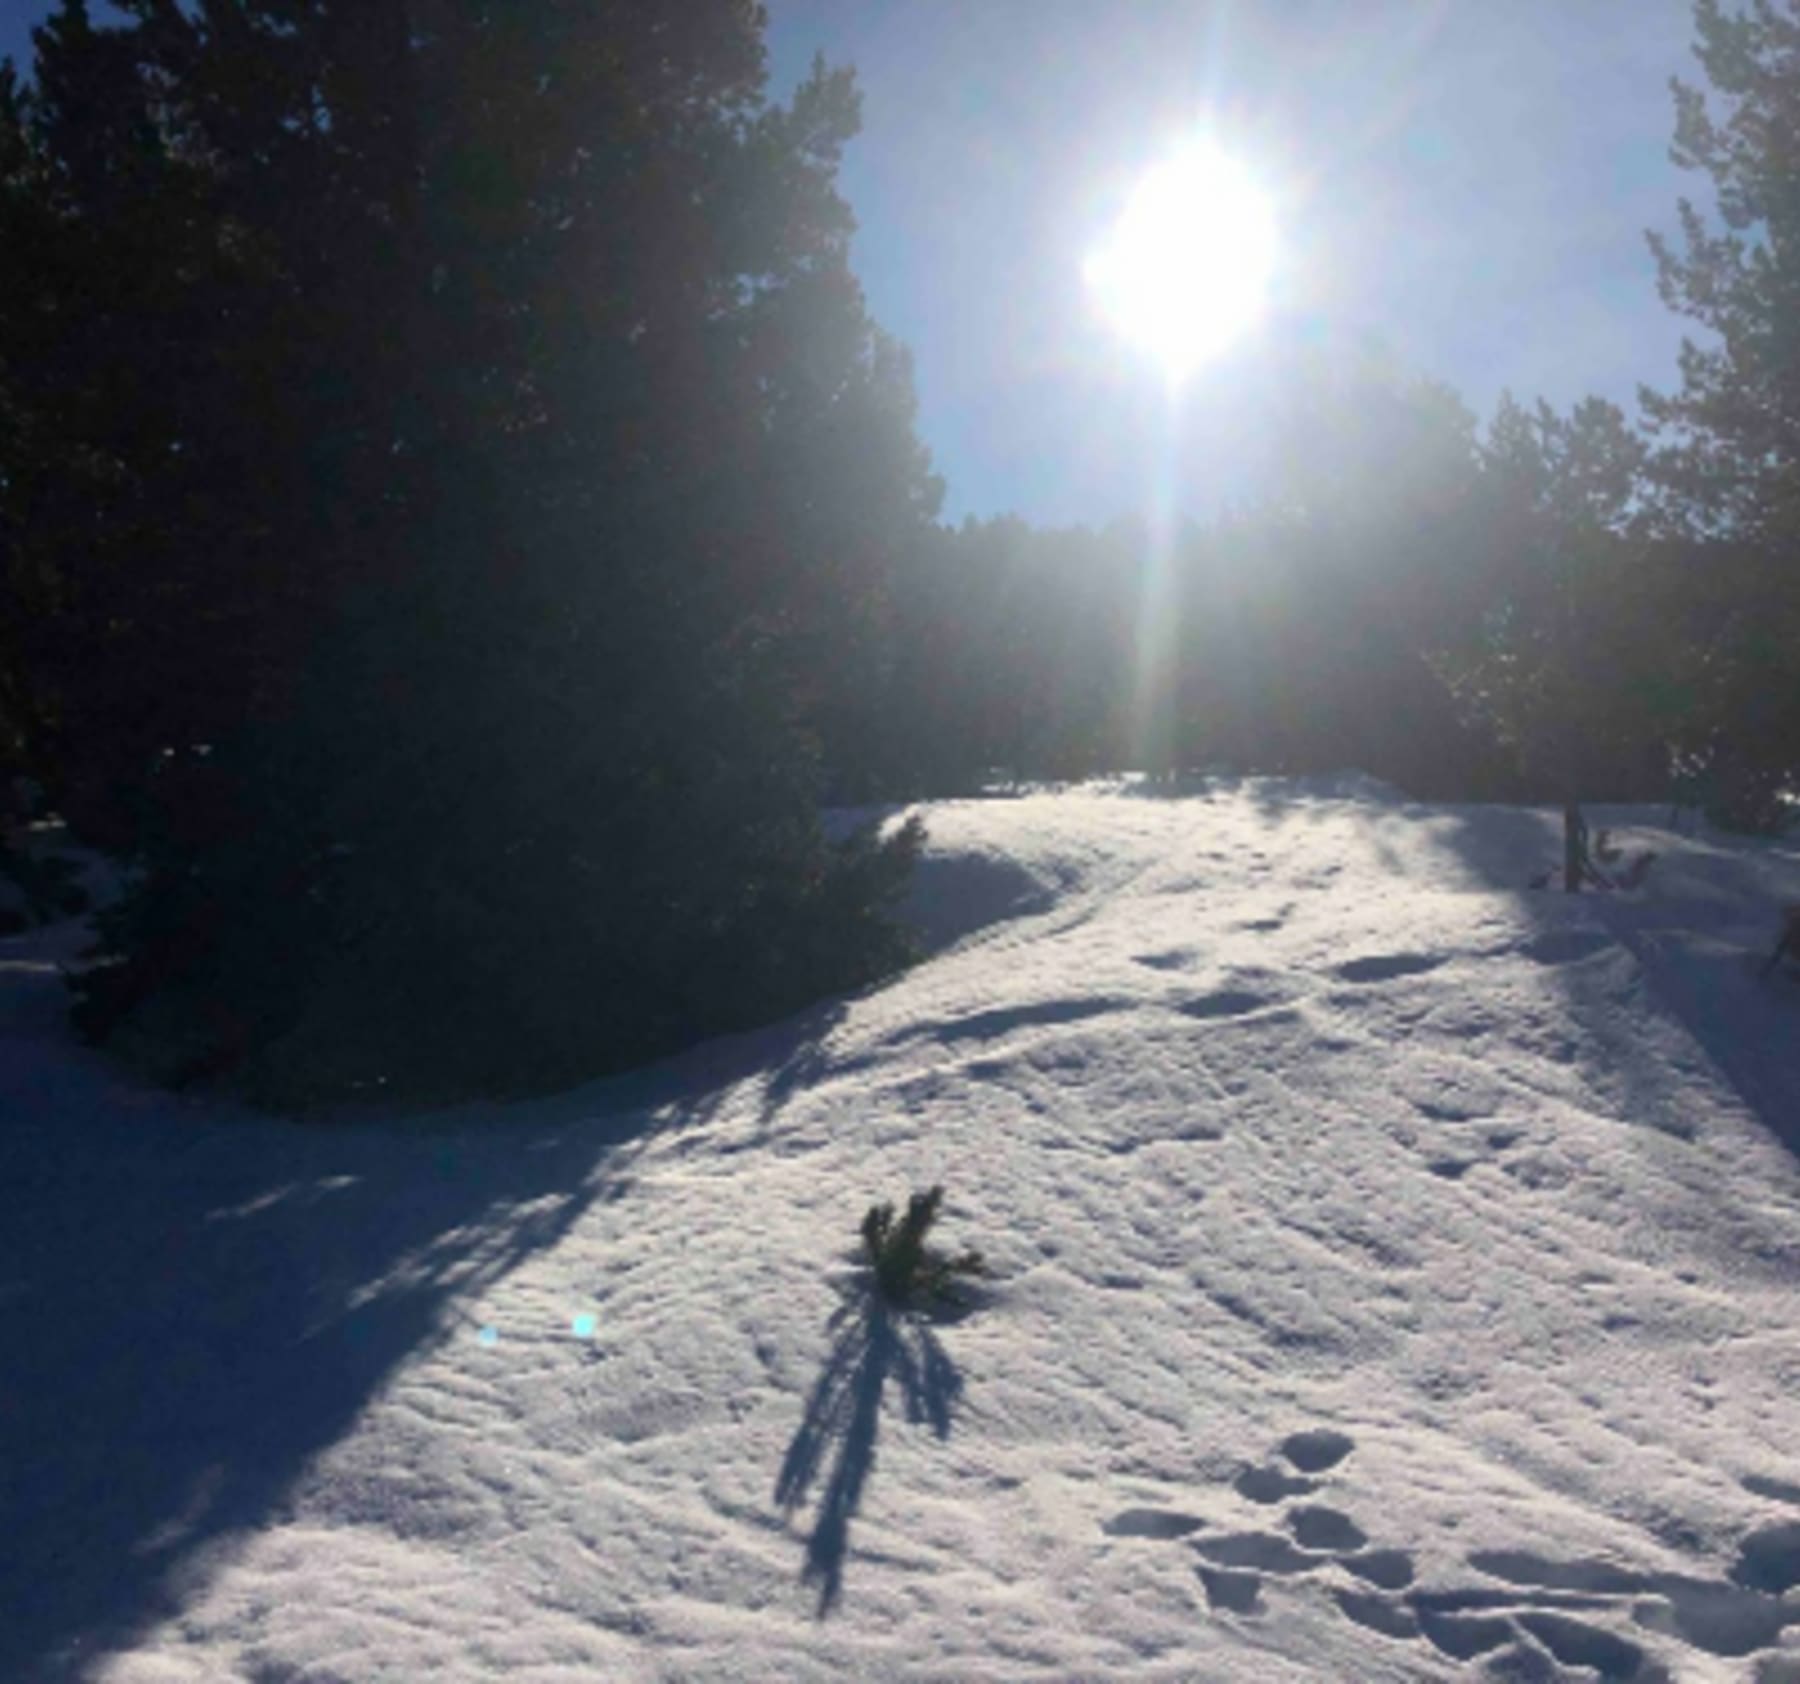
(1394, 1277)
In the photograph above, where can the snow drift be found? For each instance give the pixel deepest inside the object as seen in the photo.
(1394, 1278)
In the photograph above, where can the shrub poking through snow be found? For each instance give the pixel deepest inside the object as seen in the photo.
(906, 1269)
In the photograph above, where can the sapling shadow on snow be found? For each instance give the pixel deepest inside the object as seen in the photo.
(882, 1328)
(833, 1449)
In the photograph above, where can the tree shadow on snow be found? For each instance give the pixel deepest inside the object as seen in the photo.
(843, 1419)
(1699, 932)
(199, 1303)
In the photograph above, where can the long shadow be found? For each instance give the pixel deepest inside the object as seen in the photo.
(1746, 1019)
(198, 1303)
(802, 1065)
(986, 1026)
(1698, 934)
(955, 894)
(843, 1419)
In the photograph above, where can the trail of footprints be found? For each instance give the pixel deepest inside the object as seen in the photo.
(1550, 949)
(1257, 992)
(1523, 1621)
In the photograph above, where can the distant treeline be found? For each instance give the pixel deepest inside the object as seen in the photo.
(1313, 633)
(458, 526)
(1495, 613)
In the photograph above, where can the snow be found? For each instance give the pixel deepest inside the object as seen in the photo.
(1394, 1278)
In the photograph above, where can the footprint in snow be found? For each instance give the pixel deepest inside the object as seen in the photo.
(1781, 1490)
(1317, 1448)
(1236, 1593)
(1325, 1529)
(1234, 1564)
(1388, 1569)
(1319, 1535)
(1541, 1596)
(1769, 1559)
(1529, 1606)
(1151, 1523)
(1521, 1630)
(1266, 1552)
(1226, 1002)
(1272, 1485)
(1322, 1537)
(1383, 967)
(1529, 1615)
(1378, 1613)
(1464, 1636)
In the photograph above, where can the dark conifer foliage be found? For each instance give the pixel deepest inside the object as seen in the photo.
(1298, 634)
(1561, 658)
(1727, 467)
(452, 485)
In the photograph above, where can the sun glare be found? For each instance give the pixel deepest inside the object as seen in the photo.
(1186, 268)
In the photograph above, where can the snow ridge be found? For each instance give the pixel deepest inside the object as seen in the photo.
(1394, 1278)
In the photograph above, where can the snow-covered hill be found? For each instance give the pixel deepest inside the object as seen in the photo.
(1395, 1277)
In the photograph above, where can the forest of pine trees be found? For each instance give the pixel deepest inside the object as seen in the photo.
(459, 525)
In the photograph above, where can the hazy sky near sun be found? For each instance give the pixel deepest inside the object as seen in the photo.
(1462, 182)
(1465, 183)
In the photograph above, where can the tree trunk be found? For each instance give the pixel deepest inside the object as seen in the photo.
(1574, 847)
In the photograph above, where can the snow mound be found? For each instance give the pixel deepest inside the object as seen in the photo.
(1394, 1278)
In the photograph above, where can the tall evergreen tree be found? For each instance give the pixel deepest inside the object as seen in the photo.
(485, 408)
(1555, 658)
(1728, 462)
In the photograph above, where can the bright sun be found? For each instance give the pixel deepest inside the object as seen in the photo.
(1186, 267)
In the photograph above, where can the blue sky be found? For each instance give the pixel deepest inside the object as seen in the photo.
(1463, 183)
(1466, 184)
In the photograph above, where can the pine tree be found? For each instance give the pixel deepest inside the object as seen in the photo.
(483, 400)
(1727, 465)
(1555, 658)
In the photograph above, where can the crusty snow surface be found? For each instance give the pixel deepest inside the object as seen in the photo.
(1394, 1277)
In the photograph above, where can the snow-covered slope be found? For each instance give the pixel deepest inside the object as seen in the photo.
(1395, 1278)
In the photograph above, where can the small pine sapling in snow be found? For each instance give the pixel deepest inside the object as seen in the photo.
(906, 1269)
